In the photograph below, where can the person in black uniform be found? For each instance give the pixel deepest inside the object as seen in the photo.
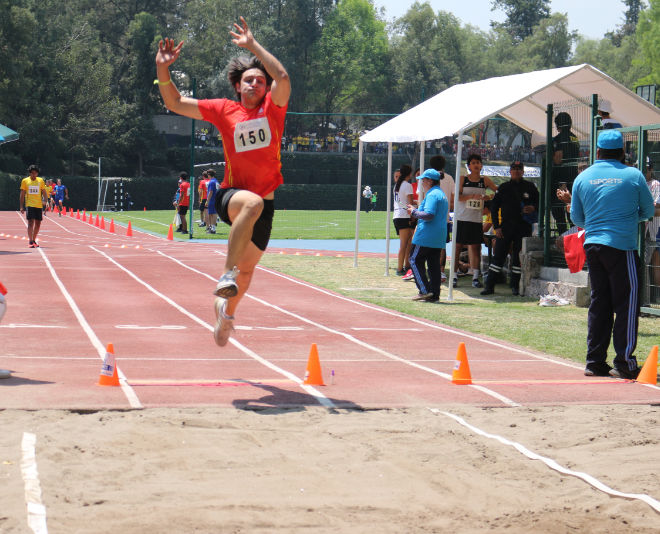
(518, 201)
(566, 153)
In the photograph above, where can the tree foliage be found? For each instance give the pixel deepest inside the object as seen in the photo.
(76, 75)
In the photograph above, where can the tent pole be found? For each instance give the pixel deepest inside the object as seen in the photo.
(452, 263)
(389, 203)
(357, 204)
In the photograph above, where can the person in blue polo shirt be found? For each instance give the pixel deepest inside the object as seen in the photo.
(609, 200)
(430, 237)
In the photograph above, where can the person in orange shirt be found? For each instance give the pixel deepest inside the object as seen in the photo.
(252, 133)
(202, 192)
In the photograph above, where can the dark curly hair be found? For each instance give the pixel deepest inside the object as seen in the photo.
(239, 65)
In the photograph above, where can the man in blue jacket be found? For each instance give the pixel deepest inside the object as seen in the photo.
(430, 237)
(609, 201)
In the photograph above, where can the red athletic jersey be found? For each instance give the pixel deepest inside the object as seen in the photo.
(202, 188)
(184, 193)
(252, 139)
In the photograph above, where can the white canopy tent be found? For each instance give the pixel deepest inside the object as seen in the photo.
(520, 98)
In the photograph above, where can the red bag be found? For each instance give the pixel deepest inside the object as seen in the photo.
(574, 250)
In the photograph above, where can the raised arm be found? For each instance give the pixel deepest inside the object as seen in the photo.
(280, 89)
(183, 105)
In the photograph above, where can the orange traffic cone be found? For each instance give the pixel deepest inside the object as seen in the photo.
(129, 230)
(97, 221)
(649, 372)
(313, 373)
(461, 374)
(102, 223)
(91, 219)
(78, 214)
(70, 212)
(170, 234)
(55, 209)
(84, 217)
(144, 209)
(112, 226)
(108, 376)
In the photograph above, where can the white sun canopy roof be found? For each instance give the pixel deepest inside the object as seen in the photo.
(520, 98)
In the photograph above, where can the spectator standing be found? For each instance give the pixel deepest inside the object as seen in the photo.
(652, 248)
(430, 237)
(566, 152)
(609, 199)
(604, 110)
(184, 201)
(403, 197)
(447, 185)
(33, 200)
(518, 200)
(202, 192)
(212, 187)
(469, 215)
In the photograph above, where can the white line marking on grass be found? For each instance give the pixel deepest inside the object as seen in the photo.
(96, 342)
(320, 398)
(417, 320)
(36, 511)
(354, 340)
(552, 464)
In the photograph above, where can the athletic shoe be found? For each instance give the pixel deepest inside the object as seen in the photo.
(624, 373)
(597, 372)
(32, 244)
(408, 276)
(202, 224)
(212, 230)
(476, 283)
(454, 283)
(224, 324)
(443, 278)
(400, 272)
(552, 301)
(227, 286)
(423, 296)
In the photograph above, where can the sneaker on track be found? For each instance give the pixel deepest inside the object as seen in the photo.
(476, 283)
(227, 286)
(224, 324)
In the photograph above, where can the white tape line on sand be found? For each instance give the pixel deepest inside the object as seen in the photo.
(552, 464)
(36, 511)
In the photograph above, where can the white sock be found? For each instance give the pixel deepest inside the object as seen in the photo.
(475, 274)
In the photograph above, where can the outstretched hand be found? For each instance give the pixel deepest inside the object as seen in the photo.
(168, 53)
(242, 36)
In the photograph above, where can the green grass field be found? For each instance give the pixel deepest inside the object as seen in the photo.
(288, 224)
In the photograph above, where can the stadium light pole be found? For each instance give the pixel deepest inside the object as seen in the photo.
(98, 198)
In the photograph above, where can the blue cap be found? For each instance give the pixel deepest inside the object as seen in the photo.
(431, 174)
(610, 140)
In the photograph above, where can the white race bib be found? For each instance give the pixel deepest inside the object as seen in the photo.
(251, 135)
(33, 189)
(474, 204)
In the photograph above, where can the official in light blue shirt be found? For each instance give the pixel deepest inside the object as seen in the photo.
(609, 200)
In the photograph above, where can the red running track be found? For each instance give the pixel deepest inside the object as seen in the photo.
(152, 299)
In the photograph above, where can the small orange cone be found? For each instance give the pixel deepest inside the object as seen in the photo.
(129, 230)
(112, 226)
(108, 376)
(145, 208)
(78, 214)
(97, 224)
(461, 374)
(170, 234)
(102, 223)
(91, 219)
(313, 373)
(55, 209)
(649, 372)
(84, 217)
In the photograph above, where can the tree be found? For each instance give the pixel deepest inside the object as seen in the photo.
(648, 37)
(521, 16)
(629, 26)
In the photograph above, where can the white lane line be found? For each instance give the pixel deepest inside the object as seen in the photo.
(96, 342)
(36, 511)
(321, 399)
(30, 326)
(419, 321)
(552, 464)
(356, 341)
